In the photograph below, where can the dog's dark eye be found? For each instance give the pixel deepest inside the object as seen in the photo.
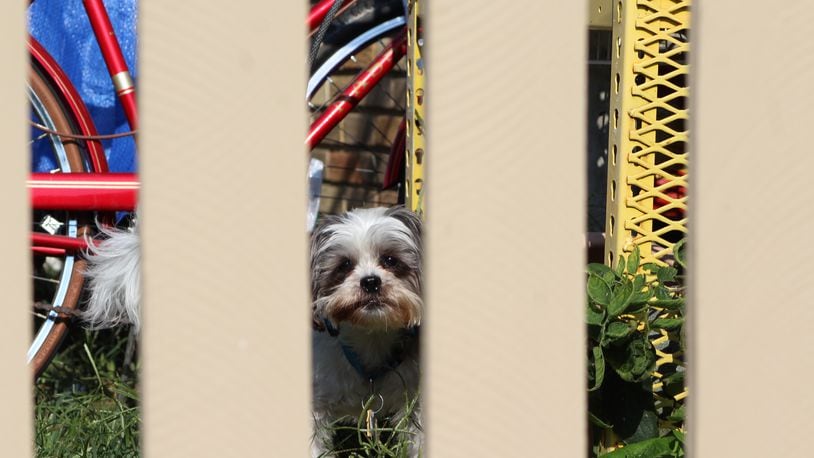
(345, 265)
(389, 261)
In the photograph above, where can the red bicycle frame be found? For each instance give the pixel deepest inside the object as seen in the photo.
(83, 191)
(102, 191)
(114, 59)
(357, 90)
(99, 191)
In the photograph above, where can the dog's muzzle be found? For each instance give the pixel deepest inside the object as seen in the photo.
(371, 284)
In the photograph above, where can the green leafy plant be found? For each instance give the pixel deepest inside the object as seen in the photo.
(634, 312)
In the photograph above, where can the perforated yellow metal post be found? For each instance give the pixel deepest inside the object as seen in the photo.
(647, 171)
(414, 173)
(648, 131)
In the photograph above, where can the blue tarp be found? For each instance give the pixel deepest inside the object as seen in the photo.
(63, 28)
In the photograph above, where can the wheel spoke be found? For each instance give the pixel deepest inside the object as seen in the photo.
(45, 279)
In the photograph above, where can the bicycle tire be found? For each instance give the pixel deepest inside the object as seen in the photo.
(354, 18)
(49, 107)
(384, 107)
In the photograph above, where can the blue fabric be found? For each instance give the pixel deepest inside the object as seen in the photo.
(63, 28)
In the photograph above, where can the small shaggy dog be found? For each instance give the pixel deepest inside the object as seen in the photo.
(367, 307)
(366, 288)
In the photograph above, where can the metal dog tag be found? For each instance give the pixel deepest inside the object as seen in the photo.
(370, 422)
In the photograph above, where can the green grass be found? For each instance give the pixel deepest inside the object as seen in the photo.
(391, 439)
(87, 405)
(86, 402)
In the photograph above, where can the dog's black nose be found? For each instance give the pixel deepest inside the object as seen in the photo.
(371, 284)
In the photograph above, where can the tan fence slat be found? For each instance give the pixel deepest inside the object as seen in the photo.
(223, 220)
(752, 222)
(505, 204)
(15, 328)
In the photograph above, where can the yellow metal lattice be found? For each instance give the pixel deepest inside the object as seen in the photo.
(648, 131)
(414, 172)
(647, 170)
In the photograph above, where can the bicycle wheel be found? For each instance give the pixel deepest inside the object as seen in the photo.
(57, 277)
(357, 150)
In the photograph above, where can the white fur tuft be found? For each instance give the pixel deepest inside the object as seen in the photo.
(113, 280)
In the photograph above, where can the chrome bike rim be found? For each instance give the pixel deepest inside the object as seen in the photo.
(71, 229)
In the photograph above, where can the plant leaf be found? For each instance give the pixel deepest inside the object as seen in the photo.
(647, 427)
(598, 290)
(651, 267)
(677, 414)
(668, 324)
(658, 447)
(602, 271)
(666, 274)
(598, 422)
(636, 307)
(669, 303)
(634, 362)
(633, 261)
(662, 293)
(594, 315)
(677, 377)
(620, 267)
(618, 330)
(680, 253)
(640, 294)
(638, 282)
(599, 367)
(620, 298)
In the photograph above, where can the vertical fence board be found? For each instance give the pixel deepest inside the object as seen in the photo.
(505, 211)
(223, 222)
(15, 328)
(752, 221)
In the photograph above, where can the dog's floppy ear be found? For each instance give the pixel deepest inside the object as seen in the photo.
(319, 241)
(319, 238)
(409, 219)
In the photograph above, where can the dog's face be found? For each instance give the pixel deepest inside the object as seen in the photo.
(366, 269)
